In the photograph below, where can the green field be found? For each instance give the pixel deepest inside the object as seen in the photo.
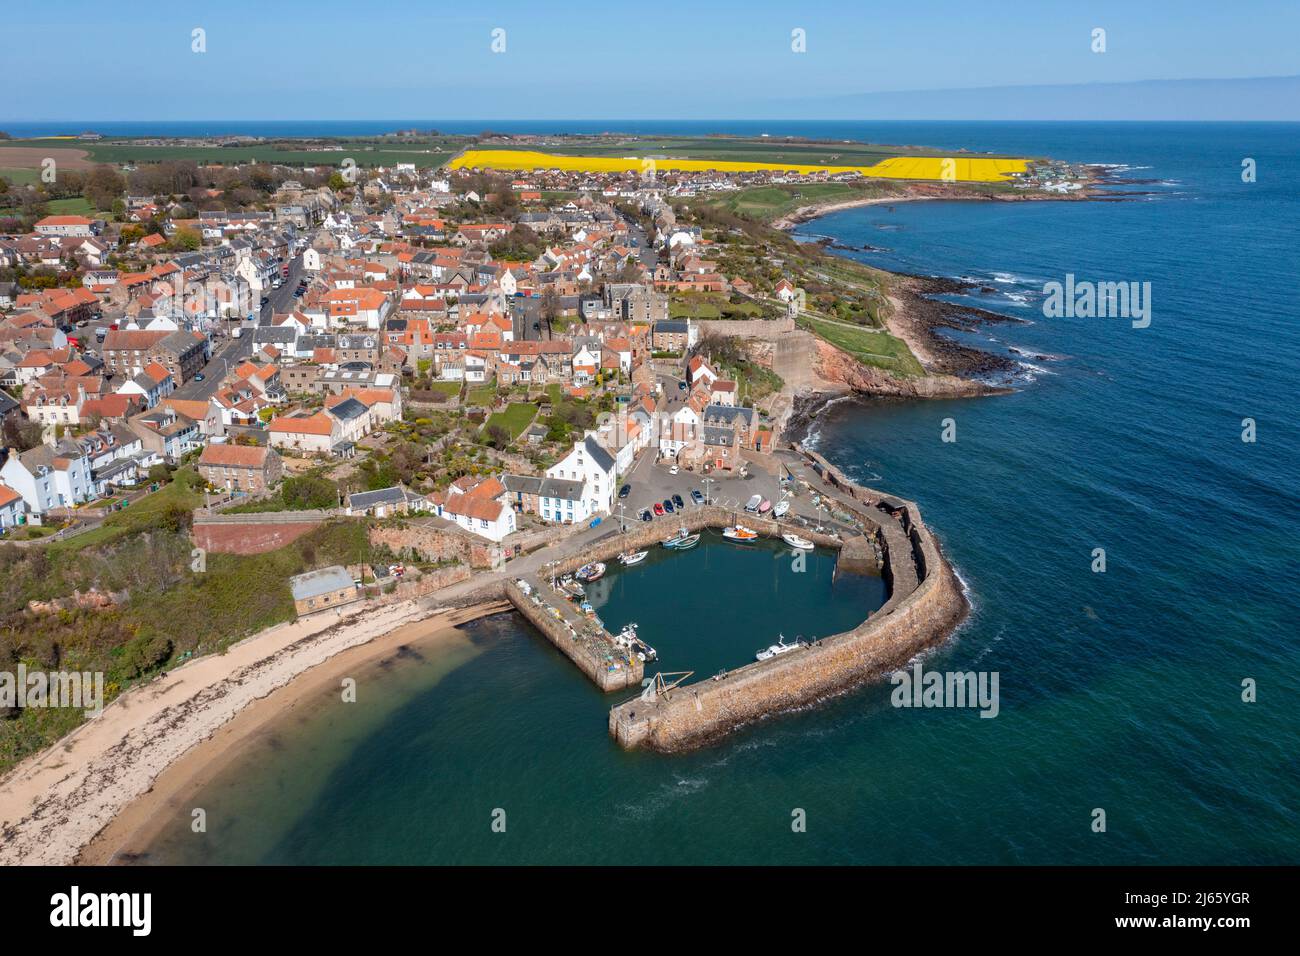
(364, 152)
(766, 203)
(870, 348)
(76, 206)
(514, 419)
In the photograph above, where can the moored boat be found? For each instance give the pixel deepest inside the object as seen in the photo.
(686, 543)
(794, 541)
(632, 557)
(739, 533)
(677, 536)
(779, 648)
(590, 572)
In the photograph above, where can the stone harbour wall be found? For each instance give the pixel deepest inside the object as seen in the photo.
(925, 604)
(556, 630)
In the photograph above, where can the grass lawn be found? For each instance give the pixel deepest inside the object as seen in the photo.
(766, 203)
(869, 347)
(450, 389)
(76, 206)
(184, 490)
(484, 394)
(514, 419)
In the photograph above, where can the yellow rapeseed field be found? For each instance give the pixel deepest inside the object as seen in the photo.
(941, 168)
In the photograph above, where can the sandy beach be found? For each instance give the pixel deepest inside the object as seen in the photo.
(164, 738)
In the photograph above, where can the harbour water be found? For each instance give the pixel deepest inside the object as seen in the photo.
(1120, 691)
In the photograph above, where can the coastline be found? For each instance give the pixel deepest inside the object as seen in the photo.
(55, 804)
(142, 820)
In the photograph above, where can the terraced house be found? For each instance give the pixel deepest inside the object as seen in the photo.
(128, 352)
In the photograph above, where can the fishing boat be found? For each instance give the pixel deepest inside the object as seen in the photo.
(636, 647)
(794, 541)
(686, 543)
(572, 588)
(739, 533)
(633, 557)
(779, 648)
(679, 535)
(781, 509)
(590, 572)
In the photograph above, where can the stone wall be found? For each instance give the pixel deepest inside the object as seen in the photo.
(746, 328)
(916, 616)
(557, 632)
(433, 539)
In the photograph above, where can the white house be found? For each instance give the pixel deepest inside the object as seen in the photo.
(49, 476)
(595, 468)
(479, 506)
(12, 507)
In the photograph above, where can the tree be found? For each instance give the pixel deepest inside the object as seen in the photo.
(185, 240)
(103, 185)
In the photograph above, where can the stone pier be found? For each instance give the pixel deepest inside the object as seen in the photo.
(925, 603)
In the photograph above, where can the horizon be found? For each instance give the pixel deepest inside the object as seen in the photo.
(1191, 61)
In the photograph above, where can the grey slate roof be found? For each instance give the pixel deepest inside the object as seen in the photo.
(384, 496)
(602, 458)
(348, 409)
(315, 583)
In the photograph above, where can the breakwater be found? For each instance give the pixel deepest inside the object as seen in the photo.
(925, 603)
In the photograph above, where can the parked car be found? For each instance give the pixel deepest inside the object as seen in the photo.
(677, 500)
(199, 377)
(659, 509)
(668, 505)
(625, 491)
(673, 470)
(697, 497)
(646, 515)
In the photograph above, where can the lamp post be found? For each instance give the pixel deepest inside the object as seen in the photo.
(708, 499)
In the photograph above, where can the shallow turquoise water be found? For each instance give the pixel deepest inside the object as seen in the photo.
(1119, 691)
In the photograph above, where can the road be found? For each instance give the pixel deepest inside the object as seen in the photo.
(648, 255)
(230, 351)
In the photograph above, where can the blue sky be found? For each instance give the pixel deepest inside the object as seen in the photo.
(268, 59)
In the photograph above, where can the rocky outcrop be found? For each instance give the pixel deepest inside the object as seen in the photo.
(838, 368)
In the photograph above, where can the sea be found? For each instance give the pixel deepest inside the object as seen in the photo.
(1124, 521)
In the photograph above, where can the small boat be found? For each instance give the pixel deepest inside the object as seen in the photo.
(590, 572)
(739, 533)
(765, 507)
(633, 557)
(779, 648)
(794, 541)
(573, 589)
(686, 543)
(678, 535)
(781, 509)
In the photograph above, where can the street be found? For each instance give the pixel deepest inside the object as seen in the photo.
(228, 355)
